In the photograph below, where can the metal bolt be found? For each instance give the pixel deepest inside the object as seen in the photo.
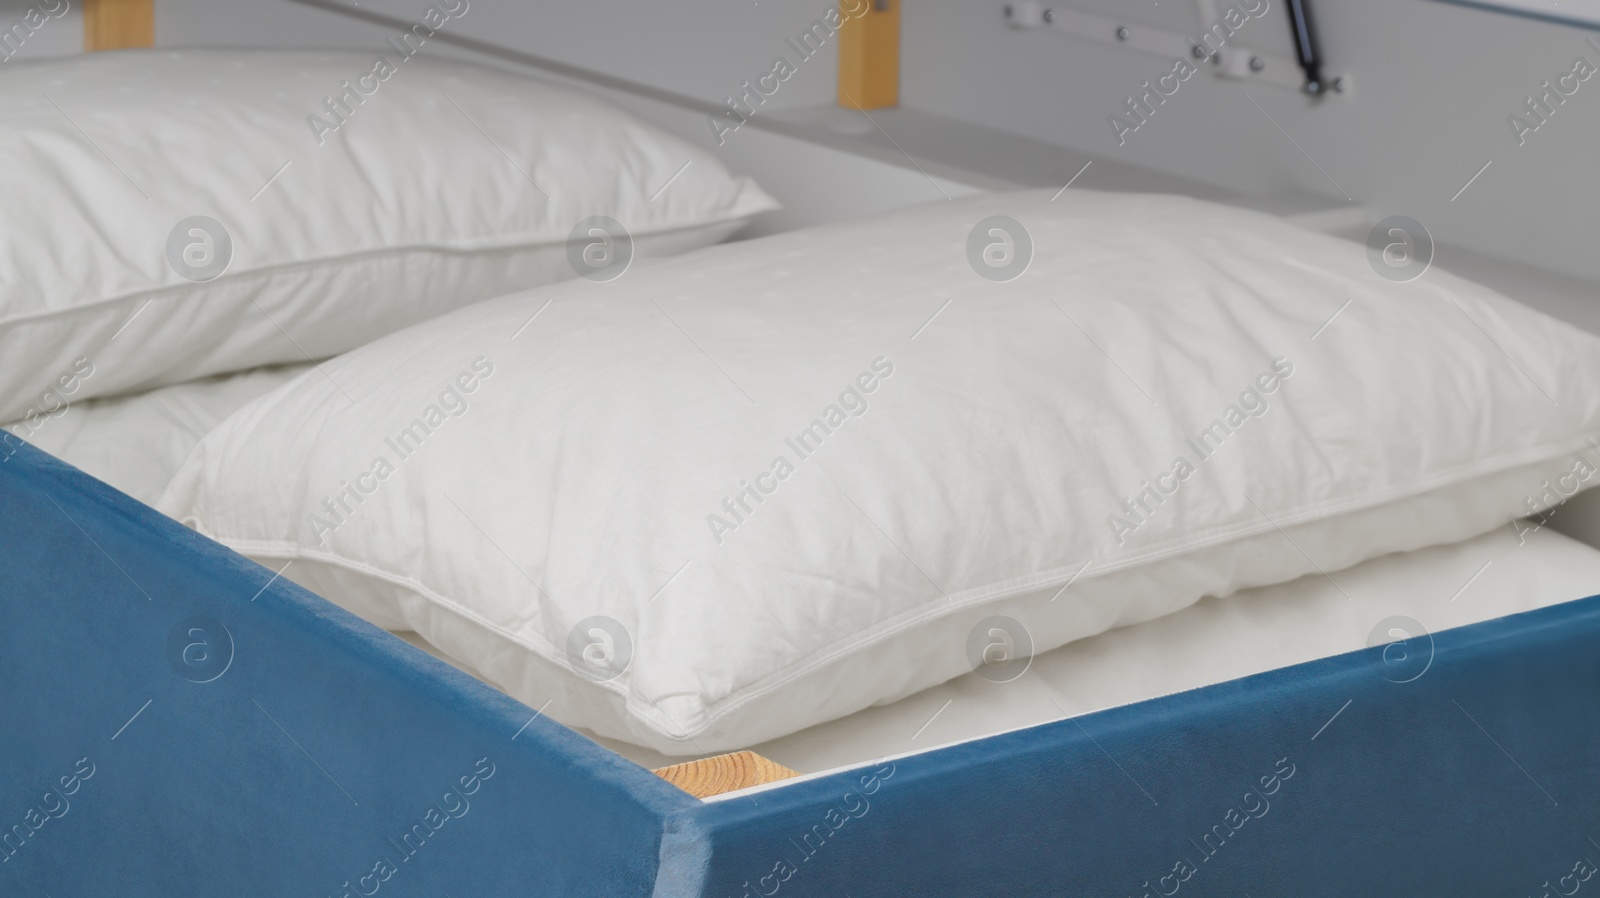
(1198, 51)
(1049, 16)
(1257, 64)
(1313, 87)
(1338, 85)
(1122, 32)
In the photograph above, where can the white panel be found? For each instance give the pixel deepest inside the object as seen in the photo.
(1567, 10)
(703, 48)
(1432, 86)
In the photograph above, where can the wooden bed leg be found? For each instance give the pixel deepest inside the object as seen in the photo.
(118, 24)
(724, 773)
(869, 55)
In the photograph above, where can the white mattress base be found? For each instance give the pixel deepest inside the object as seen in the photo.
(1214, 641)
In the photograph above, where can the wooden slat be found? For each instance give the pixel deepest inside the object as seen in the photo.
(116, 24)
(724, 773)
(869, 55)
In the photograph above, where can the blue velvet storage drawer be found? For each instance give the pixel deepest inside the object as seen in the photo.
(176, 720)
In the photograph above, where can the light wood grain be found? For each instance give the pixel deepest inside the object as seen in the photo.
(869, 56)
(118, 24)
(724, 773)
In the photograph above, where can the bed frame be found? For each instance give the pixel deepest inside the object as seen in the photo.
(118, 24)
(177, 718)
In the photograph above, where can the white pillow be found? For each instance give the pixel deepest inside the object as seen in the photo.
(136, 443)
(971, 448)
(174, 214)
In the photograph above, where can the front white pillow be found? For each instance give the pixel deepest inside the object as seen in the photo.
(174, 214)
(768, 484)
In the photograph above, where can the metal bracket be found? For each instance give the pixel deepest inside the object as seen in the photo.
(1231, 60)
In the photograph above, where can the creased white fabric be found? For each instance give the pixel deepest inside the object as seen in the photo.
(971, 449)
(448, 184)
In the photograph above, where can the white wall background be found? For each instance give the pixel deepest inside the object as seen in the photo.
(703, 48)
(1432, 86)
(57, 37)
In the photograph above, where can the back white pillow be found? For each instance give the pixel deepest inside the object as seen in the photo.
(771, 483)
(174, 214)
